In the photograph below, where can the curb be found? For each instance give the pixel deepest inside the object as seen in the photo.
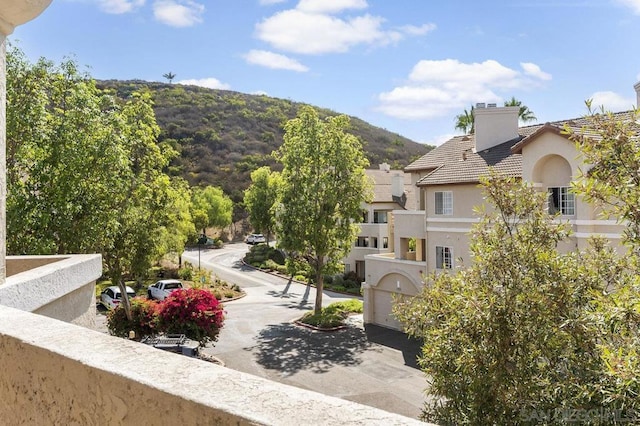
(299, 282)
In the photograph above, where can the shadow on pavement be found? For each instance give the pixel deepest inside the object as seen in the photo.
(289, 348)
(410, 347)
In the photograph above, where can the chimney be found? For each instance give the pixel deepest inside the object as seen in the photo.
(397, 185)
(637, 87)
(494, 125)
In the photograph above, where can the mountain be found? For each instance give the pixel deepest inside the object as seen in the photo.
(222, 136)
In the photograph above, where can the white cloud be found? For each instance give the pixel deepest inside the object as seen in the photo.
(274, 61)
(268, 2)
(332, 6)
(314, 27)
(634, 5)
(211, 83)
(178, 13)
(611, 101)
(534, 71)
(308, 33)
(421, 30)
(437, 88)
(120, 6)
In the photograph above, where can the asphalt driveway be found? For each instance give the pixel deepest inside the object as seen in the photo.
(371, 365)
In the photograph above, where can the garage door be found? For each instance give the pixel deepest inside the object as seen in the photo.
(382, 304)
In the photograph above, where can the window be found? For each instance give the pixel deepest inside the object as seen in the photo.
(444, 202)
(379, 217)
(444, 257)
(562, 200)
(365, 216)
(374, 242)
(362, 242)
(385, 242)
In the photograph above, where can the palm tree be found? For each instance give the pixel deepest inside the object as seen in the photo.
(169, 76)
(464, 121)
(525, 114)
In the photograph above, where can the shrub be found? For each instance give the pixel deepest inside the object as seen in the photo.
(185, 274)
(271, 265)
(301, 278)
(328, 279)
(351, 284)
(338, 281)
(193, 312)
(334, 314)
(143, 321)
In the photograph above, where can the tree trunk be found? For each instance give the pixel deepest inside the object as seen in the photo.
(319, 286)
(126, 304)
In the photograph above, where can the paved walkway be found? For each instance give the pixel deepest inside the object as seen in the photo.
(371, 365)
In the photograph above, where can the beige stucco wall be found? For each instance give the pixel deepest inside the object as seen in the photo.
(388, 276)
(61, 287)
(546, 162)
(56, 373)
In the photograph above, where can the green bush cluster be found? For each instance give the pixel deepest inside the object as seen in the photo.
(334, 314)
(266, 257)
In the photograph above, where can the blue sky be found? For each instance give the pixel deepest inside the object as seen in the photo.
(406, 65)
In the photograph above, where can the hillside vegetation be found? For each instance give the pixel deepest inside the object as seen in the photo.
(223, 135)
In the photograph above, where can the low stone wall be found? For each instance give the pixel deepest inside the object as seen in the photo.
(59, 373)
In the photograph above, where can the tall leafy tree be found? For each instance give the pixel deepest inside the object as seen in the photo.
(323, 186)
(211, 208)
(85, 173)
(261, 199)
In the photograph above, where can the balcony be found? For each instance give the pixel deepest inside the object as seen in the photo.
(58, 372)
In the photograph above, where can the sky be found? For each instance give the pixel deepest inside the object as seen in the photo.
(409, 66)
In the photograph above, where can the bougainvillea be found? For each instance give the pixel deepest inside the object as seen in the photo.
(193, 312)
(144, 321)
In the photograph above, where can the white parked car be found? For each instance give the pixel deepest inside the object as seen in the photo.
(255, 239)
(111, 296)
(163, 288)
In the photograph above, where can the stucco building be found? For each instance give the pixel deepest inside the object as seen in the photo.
(392, 190)
(447, 181)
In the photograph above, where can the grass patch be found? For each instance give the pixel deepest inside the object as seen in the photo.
(334, 314)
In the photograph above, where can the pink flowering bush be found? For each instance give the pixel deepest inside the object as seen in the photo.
(144, 321)
(193, 312)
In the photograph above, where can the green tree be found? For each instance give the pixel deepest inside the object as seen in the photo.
(64, 162)
(508, 336)
(211, 203)
(610, 145)
(525, 115)
(261, 199)
(323, 186)
(85, 173)
(464, 121)
(169, 76)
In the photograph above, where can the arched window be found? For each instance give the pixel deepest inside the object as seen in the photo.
(554, 173)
